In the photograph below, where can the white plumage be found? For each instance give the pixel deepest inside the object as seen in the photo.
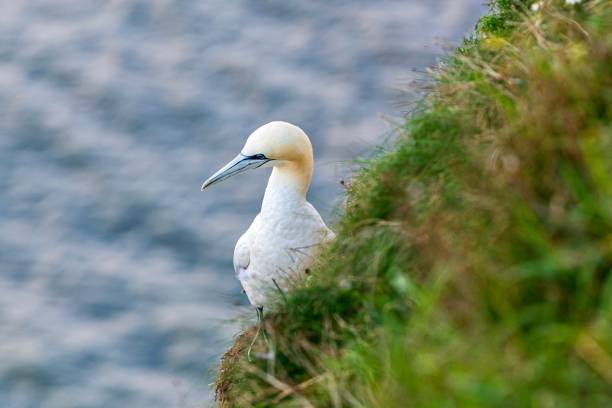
(280, 243)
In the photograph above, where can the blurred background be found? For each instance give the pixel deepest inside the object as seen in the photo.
(116, 281)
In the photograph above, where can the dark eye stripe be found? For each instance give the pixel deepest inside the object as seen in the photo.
(258, 156)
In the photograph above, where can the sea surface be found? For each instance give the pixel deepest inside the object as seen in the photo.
(116, 281)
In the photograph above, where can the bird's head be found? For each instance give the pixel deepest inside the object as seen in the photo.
(278, 144)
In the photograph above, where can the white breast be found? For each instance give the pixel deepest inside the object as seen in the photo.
(276, 249)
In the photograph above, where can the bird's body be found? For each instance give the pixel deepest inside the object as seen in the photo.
(278, 247)
(280, 244)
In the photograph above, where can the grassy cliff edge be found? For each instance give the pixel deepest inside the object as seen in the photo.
(473, 261)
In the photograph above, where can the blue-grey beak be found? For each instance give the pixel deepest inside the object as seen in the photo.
(238, 165)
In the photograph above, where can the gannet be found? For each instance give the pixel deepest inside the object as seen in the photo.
(279, 246)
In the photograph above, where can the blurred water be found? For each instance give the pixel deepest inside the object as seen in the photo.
(116, 284)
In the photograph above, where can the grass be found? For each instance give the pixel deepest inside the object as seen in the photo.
(473, 261)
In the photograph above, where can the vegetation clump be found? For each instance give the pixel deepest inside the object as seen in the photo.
(473, 260)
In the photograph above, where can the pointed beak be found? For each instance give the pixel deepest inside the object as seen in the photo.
(238, 165)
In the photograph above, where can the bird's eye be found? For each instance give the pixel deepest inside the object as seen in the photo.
(260, 156)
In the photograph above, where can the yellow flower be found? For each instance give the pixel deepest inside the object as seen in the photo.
(494, 43)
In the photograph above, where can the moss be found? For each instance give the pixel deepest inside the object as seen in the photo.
(472, 263)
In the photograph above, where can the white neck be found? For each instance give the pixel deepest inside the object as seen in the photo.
(287, 186)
